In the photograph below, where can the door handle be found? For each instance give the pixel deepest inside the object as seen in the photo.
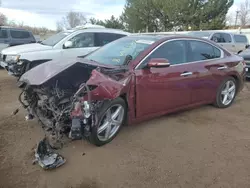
(186, 73)
(222, 67)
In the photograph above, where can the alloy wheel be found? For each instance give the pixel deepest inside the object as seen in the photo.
(228, 92)
(111, 122)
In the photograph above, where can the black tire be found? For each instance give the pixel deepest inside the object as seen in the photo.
(93, 138)
(218, 103)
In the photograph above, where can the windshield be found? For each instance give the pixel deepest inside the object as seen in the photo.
(200, 34)
(53, 40)
(116, 52)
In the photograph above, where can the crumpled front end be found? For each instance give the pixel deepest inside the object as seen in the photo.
(15, 69)
(68, 103)
(12, 64)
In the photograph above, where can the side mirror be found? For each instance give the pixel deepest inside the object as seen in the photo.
(68, 44)
(247, 46)
(158, 63)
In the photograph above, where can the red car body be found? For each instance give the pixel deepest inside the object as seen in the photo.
(153, 92)
(157, 91)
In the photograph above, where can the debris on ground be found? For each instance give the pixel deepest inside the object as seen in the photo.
(46, 157)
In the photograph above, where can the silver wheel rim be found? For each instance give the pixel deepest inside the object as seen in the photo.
(111, 122)
(228, 92)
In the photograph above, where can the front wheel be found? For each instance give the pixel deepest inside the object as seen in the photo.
(111, 118)
(226, 93)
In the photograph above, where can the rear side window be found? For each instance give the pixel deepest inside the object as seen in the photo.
(222, 38)
(105, 38)
(202, 51)
(240, 39)
(3, 34)
(19, 34)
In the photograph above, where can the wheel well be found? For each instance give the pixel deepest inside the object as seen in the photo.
(237, 81)
(124, 97)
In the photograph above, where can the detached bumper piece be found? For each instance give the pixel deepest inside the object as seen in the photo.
(46, 157)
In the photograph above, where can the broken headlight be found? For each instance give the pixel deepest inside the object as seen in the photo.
(12, 58)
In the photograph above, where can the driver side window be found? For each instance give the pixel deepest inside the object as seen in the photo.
(83, 40)
(173, 51)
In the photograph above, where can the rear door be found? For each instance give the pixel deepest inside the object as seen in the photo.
(205, 60)
(241, 42)
(105, 38)
(159, 90)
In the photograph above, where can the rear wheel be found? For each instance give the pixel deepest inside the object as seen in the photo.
(111, 118)
(226, 93)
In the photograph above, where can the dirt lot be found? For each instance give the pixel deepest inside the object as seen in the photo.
(205, 147)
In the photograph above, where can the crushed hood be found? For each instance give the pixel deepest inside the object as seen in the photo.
(46, 71)
(16, 50)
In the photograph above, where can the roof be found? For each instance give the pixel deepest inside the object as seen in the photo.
(98, 30)
(149, 36)
(165, 37)
(10, 27)
(210, 32)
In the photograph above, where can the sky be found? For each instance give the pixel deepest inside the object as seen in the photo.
(46, 13)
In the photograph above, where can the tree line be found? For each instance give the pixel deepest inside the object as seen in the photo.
(161, 15)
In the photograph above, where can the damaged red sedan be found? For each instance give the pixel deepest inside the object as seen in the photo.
(129, 80)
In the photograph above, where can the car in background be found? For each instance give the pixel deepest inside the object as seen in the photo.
(10, 36)
(129, 80)
(235, 43)
(246, 55)
(79, 41)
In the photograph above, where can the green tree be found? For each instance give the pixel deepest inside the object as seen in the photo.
(96, 22)
(113, 22)
(164, 15)
(139, 15)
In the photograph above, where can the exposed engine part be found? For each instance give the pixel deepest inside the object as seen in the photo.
(54, 108)
(76, 132)
(46, 157)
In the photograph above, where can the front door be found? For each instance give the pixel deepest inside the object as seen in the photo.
(160, 90)
(83, 44)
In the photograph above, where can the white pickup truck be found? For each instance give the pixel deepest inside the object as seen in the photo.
(235, 43)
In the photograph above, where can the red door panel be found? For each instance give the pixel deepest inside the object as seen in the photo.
(162, 89)
(205, 86)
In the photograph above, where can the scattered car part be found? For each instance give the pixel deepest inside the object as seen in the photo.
(46, 157)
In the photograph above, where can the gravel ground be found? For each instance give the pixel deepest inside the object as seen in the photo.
(204, 147)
